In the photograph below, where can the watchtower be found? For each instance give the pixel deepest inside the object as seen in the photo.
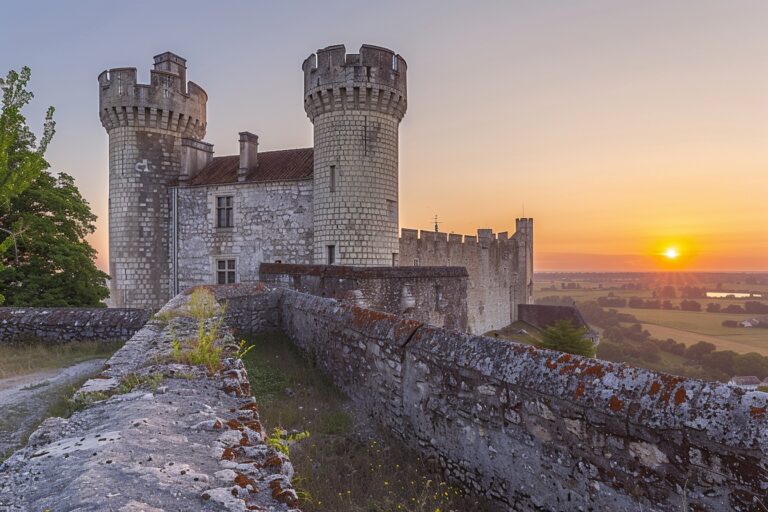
(356, 103)
(146, 125)
(522, 290)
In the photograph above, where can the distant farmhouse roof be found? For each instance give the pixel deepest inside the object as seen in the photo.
(287, 164)
(744, 380)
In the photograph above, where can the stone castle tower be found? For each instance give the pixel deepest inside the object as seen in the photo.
(147, 125)
(356, 103)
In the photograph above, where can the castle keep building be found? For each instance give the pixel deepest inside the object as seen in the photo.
(180, 216)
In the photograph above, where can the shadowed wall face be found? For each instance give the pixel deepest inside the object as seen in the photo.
(539, 429)
(432, 295)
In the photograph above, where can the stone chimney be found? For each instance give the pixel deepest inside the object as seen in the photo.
(249, 147)
(195, 155)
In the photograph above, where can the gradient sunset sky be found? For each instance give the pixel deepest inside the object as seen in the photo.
(622, 128)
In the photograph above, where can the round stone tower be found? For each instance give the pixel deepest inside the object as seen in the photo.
(356, 103)
(146, 125)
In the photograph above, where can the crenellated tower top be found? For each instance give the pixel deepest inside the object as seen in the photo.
(168, 102)
(374, 79)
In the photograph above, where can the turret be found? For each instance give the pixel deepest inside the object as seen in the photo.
(356, 103)
(146, 124)
(522, 291)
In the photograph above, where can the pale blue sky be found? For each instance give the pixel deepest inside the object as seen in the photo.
(620, 125)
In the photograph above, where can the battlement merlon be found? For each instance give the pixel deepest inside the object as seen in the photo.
(524, 232)
(374, 79)
(167, 102)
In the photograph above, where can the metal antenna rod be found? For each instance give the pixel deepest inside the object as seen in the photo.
(436, 223)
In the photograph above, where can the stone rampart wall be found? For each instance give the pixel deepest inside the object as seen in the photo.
(499, 266)
(153, 434)
(432, 295)
(62, 325)
(537, 429)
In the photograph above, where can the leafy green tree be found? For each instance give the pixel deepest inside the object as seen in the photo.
(44, 258)
(566, 337)
(698, 350)
(21, 159)
(751, 363)
(56, 264)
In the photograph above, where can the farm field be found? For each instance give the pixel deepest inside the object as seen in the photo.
(739, 343)
(688, 327)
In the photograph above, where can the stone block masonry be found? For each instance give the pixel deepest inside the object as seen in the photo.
(432, 295)
(531, 429)
(63, 325)
(145, 124)
(272, 221)
(500, 269)
(193, 442)
(356, 103)
(540, 430)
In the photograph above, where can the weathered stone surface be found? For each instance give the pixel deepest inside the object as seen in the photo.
(272, 222)
(533, 428)
(146, 124)
(433, 295)
(500, 268)
(62, 325)
(356, 103)
(194, 443)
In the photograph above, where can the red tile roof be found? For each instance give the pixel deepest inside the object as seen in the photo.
(287, 164)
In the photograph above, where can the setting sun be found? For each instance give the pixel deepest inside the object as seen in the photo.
(671, 253)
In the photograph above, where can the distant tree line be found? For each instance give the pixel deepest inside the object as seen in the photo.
(635, 345)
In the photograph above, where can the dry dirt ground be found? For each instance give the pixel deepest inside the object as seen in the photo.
(25, 399)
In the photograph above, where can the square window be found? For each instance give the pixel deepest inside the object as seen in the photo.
(225, 271)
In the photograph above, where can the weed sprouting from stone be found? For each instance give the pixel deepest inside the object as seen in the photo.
(202, 304)
(203, 307)
(281, 440)
(242, 350)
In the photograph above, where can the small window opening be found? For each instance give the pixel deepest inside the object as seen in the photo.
(416, 262)
(395, 259)
(392, 210)
(333, 179)
(331, 254)
(224, 217)
(225, 271)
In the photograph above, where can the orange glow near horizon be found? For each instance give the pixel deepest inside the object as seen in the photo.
(624, 128)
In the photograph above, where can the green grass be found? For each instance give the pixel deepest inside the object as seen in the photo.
(22, 359)
(343, 465)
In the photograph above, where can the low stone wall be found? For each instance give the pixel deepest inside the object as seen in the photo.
(158, 435)
(537, 429)
(531, 429)
(62, 325)
(432, 295)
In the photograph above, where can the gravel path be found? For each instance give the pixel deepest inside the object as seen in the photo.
(24, 399)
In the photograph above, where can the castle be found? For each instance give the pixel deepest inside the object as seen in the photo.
(179, 217)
